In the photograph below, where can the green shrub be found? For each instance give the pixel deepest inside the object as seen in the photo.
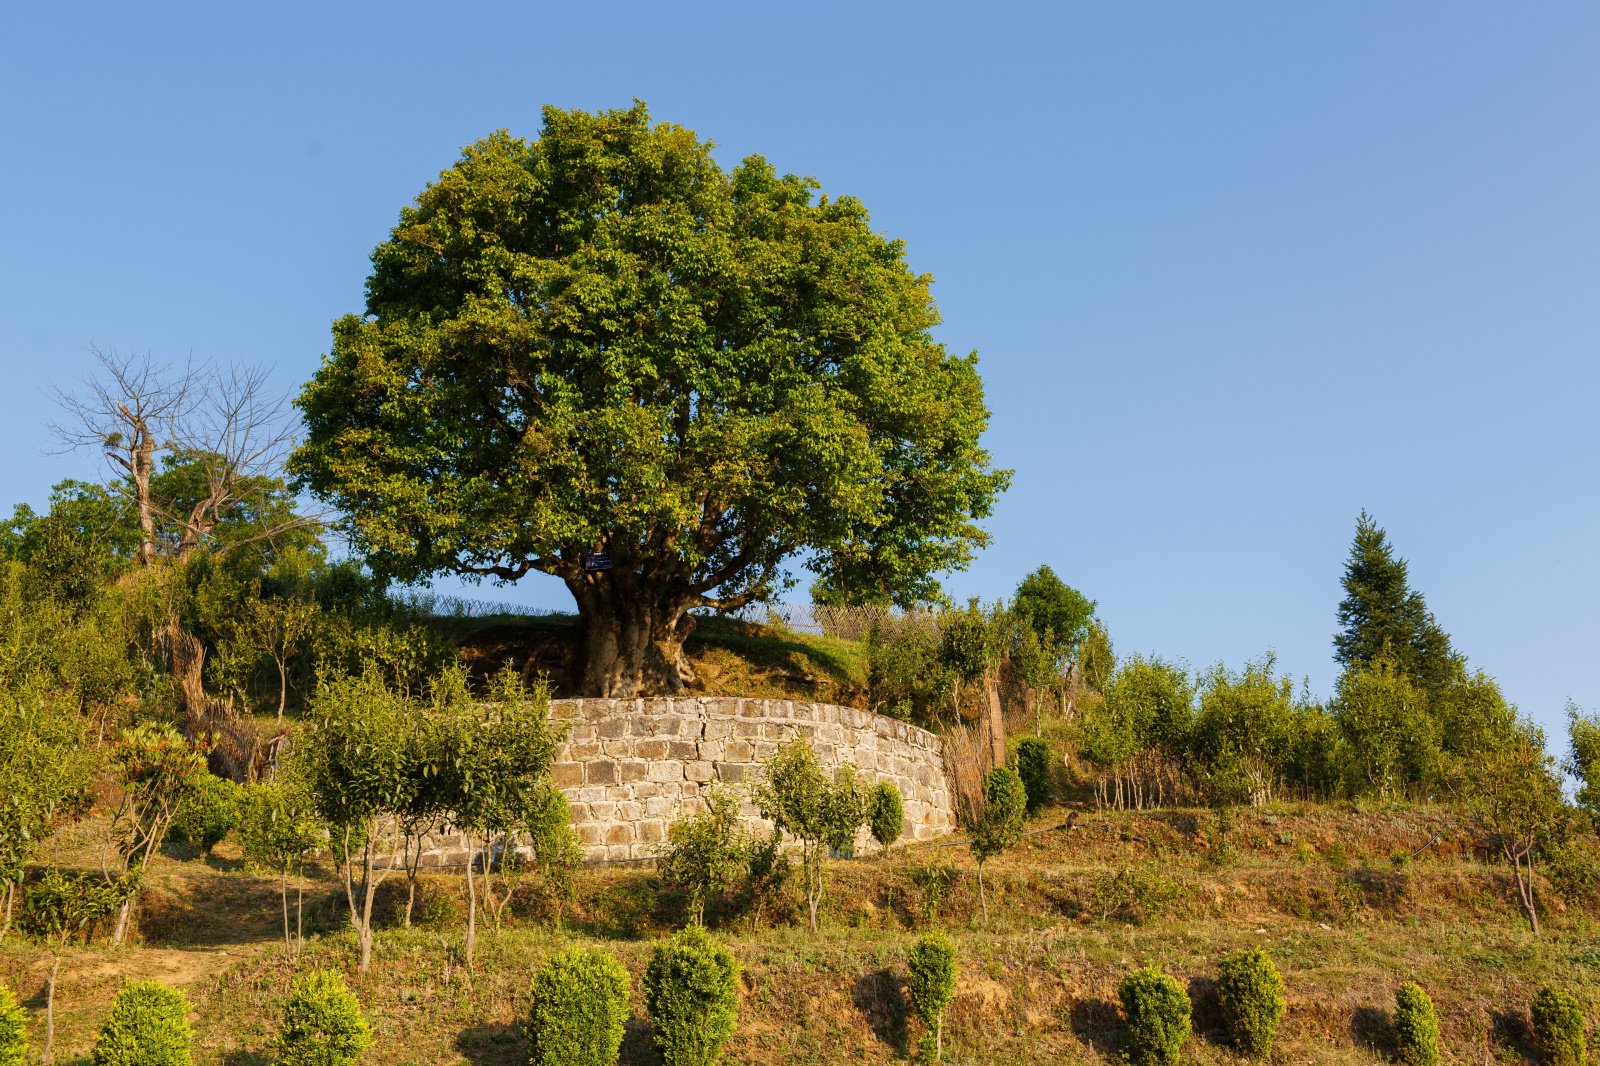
(691, 992)
(13, 1030)
(579, 1010)
(1157, 1009)
(886, 813)
(1416, 1026)
(1133, 894)
(1558, 1027)
(322, 1023)
(931, 981)
(1250, 995)
(1033, 766)
(148, 1026)
(208, 813)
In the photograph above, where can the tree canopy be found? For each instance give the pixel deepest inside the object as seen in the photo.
(602, 341)
(1382, 616)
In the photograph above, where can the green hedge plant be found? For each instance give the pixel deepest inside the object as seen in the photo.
(13, 1030)
(1416, 1027)
(1158, 1013)
(322, 1023)
(1558, 1027)
(1033, 766)
(931, 983)
(1250, 996)
(208, 813)
(691, 991)
(886, 814)
(579, 1009)
(148, 1026)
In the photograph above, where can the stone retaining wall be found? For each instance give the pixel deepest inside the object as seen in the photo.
(630, 768)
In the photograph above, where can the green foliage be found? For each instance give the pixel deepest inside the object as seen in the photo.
(1058, 614)
(971, 641)
(931, 982)
(1250, 996)
(322, 1023)
(1559, 1027)
(905, 674)
(159, 771)
(706, 853)
(1005, 806)
(1097, 659)
(801, 801)
(691, 989)
(1416, 1026)
(60, 906)
(1380, 616)
(209, 813)
(1034, 768)
(1157, 1009)
(886, 813)
(703, 451)
(148, 1026)
(1241, 732)
(1389, 734)
(579, 1009)
(1583, 762)
(13, 1029)
(1515, 795)
(547, 823)
(44, 772)
(278, 827)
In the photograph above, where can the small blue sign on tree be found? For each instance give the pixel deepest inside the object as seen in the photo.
(594, 562)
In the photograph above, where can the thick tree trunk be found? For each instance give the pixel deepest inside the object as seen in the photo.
(633, 637)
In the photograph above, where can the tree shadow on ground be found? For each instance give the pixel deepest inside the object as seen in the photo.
(1373, 1029)
(1206, 1011)
(878, 997)
(493, 1045)
(1098, 1023)
(637, 1047)
(240, 1057)
(1512, 1031)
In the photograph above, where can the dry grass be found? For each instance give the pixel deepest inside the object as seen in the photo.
(1313, 885)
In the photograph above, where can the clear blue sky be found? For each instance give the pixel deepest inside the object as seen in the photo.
(1235, 271)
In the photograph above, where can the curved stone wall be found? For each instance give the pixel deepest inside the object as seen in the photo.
(630, 768)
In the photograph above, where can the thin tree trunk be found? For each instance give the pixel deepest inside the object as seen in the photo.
(472, 905)
(48, 1055)
(283, 688)
(983, 900)
(283, 893)
(11, 896)
(299, 919)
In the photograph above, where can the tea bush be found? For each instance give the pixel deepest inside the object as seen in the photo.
(148, 1026)
(13, 1030)
(1416, 1026)
(322, 1023)
(208, 813)
(579, 1010)
(1158, 1013)
(1250, 995)
(931, 982)
(886, 813)
(1033, 766)
(691, 992)
(1558, 1027)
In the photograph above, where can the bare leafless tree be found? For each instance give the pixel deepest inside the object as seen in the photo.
(234, 433)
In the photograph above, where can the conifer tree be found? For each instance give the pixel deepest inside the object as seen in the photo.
(1381, 615)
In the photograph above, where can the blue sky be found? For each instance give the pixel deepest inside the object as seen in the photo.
(1234, 271)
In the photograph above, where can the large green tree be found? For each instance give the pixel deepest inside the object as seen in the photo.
(602, 341)
(1381, 616)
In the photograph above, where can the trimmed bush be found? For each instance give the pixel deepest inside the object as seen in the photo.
(579, 1010)
(208, 813)
(322, 1023)
(13, 1030)
(1558, 1028)
(1157, 1009)
(931, 982)
(1033, 766)
(1416, 1026)
(148, 1026)
(691, 991)
(886, 814)
(1250, 995)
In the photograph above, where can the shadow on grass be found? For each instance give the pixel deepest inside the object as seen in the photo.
(245, 1058)
(1098, 1023)
(1512, 1032)
(493, 1045)
(878, 997)
(637, 1047)
(1373, 1029)
(1206, 1011)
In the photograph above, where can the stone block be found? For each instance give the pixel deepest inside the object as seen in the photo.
(651, 832)
(712, 750)
(566, 774)
(619, 834)
(651, 749)
(600, 772)
(612, 728)
(683, 750)
(630, 770)
(665, 771)
(699, 770)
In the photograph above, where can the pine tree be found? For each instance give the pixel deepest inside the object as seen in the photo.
(1381, 615)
